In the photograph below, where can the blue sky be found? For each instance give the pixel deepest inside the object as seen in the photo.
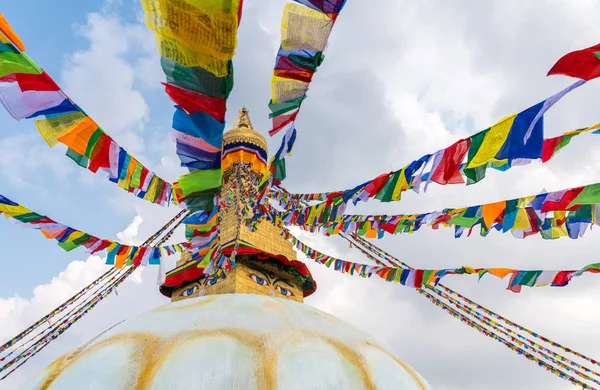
(400, 79)
(29, 258)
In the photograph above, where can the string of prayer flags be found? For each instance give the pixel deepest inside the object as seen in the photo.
(525, 351)
(305, 29)
(197, 41)
(69, 238)
(582, 64)
(26, 91)
(564, 213)
(483, 152)
(481, 313)
(417, 278)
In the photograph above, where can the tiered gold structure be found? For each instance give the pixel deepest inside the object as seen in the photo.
(265, 238)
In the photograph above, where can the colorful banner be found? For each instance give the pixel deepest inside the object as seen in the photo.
(197, 41)
(69, 238)
(513, 347)
(516, 140)
(26, 91)
(417, 278)
(564, 213)
(480, 313)
(305, 29)
(582, 64)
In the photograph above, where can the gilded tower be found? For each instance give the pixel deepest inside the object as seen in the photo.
(266, 263)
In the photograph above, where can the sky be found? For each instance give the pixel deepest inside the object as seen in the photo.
(400, 79)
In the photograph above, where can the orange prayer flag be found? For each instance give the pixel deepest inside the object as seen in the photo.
(78, 138)
(9, 33)
(491, 211)
(122, 255)
(500, 272)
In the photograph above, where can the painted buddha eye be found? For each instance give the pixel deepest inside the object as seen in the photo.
(189, 291)
(284, 291)
(212, 281)
(258, 280)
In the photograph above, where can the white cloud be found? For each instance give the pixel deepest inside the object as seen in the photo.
(399, 80)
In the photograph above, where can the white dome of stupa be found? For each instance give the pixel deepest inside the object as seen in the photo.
(231, 342)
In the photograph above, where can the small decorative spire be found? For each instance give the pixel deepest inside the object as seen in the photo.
(243, 119)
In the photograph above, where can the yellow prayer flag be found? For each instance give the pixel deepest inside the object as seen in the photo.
(51, 129)
(401, 185)
(492, 142)
(304, 28)
(284, 89)
(521, 220)
(13, 211)
(195, 32)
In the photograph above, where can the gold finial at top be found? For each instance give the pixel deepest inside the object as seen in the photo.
(243, 131)
(243, 119)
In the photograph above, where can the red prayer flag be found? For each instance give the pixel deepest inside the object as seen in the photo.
(105, 244)
(289, 74)
(36, 82)
(281, 121)
(582, 64)
(191, 102)
(447, 170)
(563, 202)
(549, 146)
(562, 278)
(377, 184)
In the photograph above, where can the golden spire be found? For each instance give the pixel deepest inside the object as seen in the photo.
(243, 131)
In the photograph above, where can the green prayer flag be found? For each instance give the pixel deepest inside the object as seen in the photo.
(530, 278)
(17, 63)
(595, 266)
(308, 62)
(82, 239)
(287, 106)
(92, 142)
(202, 201)
(385, 194)
(565, 140)
(198, 79)
(82, 161)
(199, 181)
(280, 173)
(546, 234)
(426, 275)
(136, 176)
(589, 195)
(461, 220)
(475, 174)
(68, 245)
(29, 217)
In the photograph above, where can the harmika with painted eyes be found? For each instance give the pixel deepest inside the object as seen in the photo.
(269, 279)
(194, 288)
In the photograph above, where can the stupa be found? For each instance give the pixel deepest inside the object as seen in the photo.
(250, 330)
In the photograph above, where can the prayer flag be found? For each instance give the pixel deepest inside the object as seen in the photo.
(582, 64)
